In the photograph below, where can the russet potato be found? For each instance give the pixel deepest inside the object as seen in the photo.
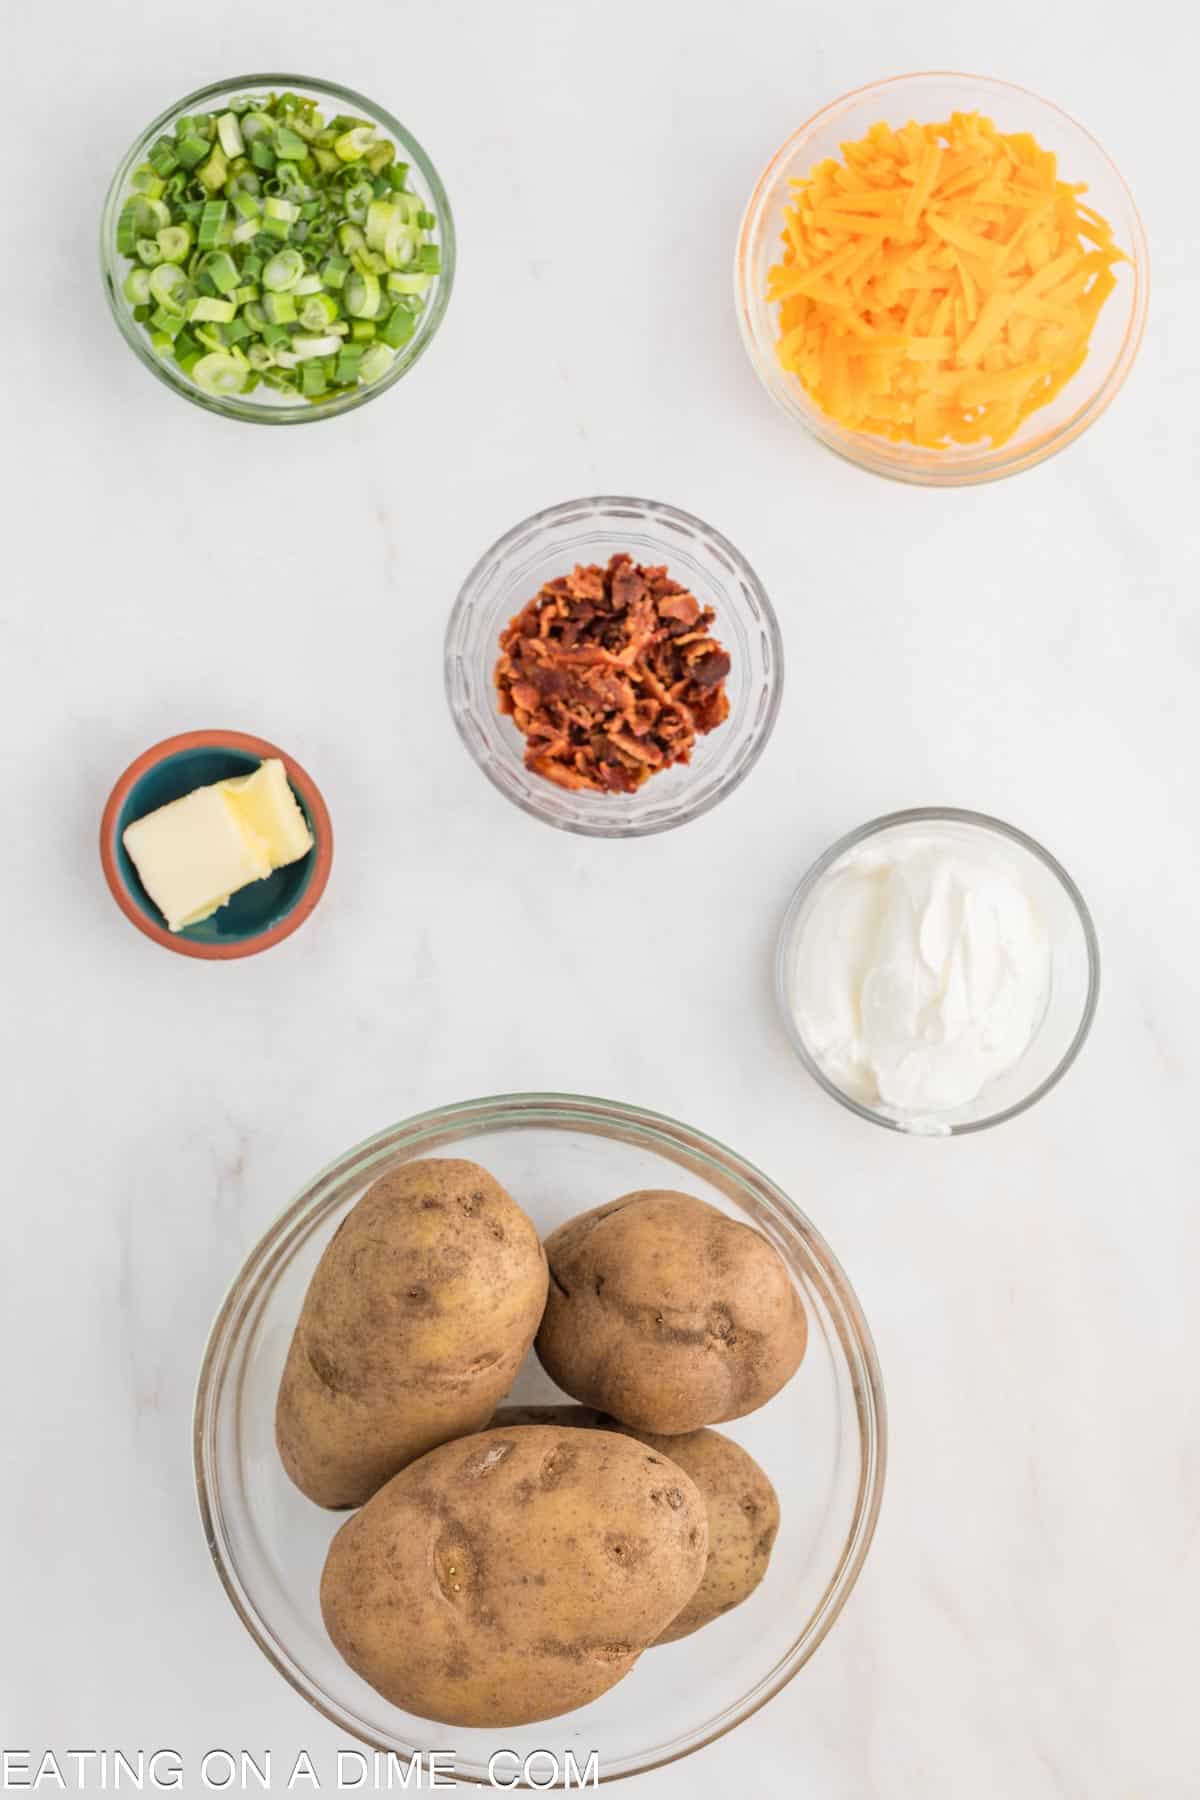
(667, 1314)
(514, 1575)
(414, 1325)
(740, 1504)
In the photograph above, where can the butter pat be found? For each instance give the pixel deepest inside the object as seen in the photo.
(266, 806)
(195, 853)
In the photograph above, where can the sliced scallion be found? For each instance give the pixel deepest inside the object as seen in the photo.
(136, 286)
(269, 245)
(377, 359)
(360, 294)
(218, 373)
(229, 132)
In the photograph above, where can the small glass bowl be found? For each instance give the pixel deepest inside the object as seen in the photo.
(1070, 1003)
(264, 406)
(822, 1440)
(927, 97)
(583, 531)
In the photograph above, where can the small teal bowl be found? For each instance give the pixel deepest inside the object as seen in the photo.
(260, 914)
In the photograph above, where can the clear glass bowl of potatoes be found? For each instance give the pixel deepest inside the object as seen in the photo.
(820, 1440)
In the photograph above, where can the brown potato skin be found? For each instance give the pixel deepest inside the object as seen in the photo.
(513, 1575)
(415, 1323)
(667, 1314)
(741, 1505)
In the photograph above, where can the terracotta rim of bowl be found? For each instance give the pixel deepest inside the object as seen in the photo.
(300, 779)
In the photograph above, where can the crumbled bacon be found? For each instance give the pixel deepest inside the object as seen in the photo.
(610, 674)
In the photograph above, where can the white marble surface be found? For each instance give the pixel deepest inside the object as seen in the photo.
(1026, 1624)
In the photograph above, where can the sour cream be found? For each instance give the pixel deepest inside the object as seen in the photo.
(921, 967)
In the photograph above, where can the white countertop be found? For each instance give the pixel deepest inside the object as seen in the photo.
(1026, 1622)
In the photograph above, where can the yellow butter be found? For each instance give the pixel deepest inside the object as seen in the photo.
(194, 853)
(267, 807)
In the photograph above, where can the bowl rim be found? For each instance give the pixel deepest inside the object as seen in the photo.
(929, 815)
(443, 1126)
(248, 411)
(322, 851)
(543, 519)
(877, 455)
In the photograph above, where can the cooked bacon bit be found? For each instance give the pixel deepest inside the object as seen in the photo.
(610, 674)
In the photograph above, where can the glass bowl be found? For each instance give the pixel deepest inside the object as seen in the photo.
(926, 97)
(821, 1439)
(550, 544)
(1070, 1002)
(264, 406)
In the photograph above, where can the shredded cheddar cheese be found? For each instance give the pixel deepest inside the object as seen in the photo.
(940, 282)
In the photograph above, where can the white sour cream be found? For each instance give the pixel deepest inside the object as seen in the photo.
(921, 968)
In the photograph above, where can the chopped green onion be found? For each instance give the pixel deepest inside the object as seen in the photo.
(399, 327)
(269, 245)
(214, 171)
(175, 241)
(345, 371)
(222, 271)
(358, 201)
(229, 134)
(379, 156)
(354, 144)
(136, 287)
(146, 181)
(306, 347)
(163, 157)
(170, 287)
(280, 308)
(361, 294)
(162, 319)
(408, 284)
(377, 360)
(216, 312)
(191, 150)
(318, 310)
(381, 215)
(220, 374)
(399, 245)
(211, 221)
(283, 270)
(127, 228)
(288, 146)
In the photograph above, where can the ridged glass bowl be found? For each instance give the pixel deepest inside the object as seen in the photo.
(550, 543)
(263, 406)
(821, 1439)
(926, 98)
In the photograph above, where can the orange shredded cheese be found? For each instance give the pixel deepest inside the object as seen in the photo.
(940, 282)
